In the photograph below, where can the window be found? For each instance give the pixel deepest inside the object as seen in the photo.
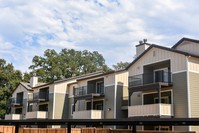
(163, 100)
(100, 87)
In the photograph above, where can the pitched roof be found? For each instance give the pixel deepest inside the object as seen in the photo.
(185, 39)
(161, 47)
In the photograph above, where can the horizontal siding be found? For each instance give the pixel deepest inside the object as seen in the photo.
(178, 61)
(194, 94)
(194, 64)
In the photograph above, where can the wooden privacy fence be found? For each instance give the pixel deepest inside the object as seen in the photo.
(7, 129)
(48, 130)
(10, 129)
(132, 122)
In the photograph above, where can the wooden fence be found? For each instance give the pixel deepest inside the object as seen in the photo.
(11, 129)
(7, 129)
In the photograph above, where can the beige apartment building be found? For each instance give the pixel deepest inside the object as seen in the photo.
(96, 95)
(163, 82)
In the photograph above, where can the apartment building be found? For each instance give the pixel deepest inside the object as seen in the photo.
(101, 96)
(163, 82)
(96, 95)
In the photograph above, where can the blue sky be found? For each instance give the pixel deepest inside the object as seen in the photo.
(111, 27)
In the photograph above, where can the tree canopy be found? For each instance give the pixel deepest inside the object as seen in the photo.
(9, 80)
(66, 63)
(121, 65)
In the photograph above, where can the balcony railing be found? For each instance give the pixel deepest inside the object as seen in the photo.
(150, 110)
(39, 96)
(149, 78)
(37, 115)
(16, 101)
(85, 90)
(88, 114)
(13, 117)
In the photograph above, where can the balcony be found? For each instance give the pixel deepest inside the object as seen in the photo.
(144, 79)
(38, 96)
(13, 117)
(88, 92)
(88, 114)
(150, 110)
(37, 115)
(17, 101)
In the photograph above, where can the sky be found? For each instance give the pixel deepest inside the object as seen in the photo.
(111, 27)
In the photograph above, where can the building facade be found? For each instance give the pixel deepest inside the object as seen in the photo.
(97, 95)
(163, 83)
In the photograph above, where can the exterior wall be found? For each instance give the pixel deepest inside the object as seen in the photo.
(189, 47)
(61, 106)
(20, 88)
(154, 55)
(60, 88)
(119, 112)
(180, 98)
(109, 79)
(193, 64)
(122, 78)
(109, 102)
(136, 98)
(194, 97)
(50, 106)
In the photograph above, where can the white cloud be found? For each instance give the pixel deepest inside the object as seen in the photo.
(30, 27)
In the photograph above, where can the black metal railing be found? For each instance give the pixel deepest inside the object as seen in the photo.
(150, 78)
(38, 96)
(17, 101)
(85, 90)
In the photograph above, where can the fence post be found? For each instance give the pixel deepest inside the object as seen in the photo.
(134, 129)
(69, 128)
(16, 128)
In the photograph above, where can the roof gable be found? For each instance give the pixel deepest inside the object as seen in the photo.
(184, 39)
(160, 47)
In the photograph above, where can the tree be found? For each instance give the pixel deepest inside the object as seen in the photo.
(121, 65)
(68, 62)
(9, 80)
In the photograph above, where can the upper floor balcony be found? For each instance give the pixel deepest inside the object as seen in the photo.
(86, 91)
(149, 78)
(38, 96)
(17, 101)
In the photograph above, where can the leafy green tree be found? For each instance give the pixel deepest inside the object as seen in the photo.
(68, 62)
(121, 65)
(9, 80)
